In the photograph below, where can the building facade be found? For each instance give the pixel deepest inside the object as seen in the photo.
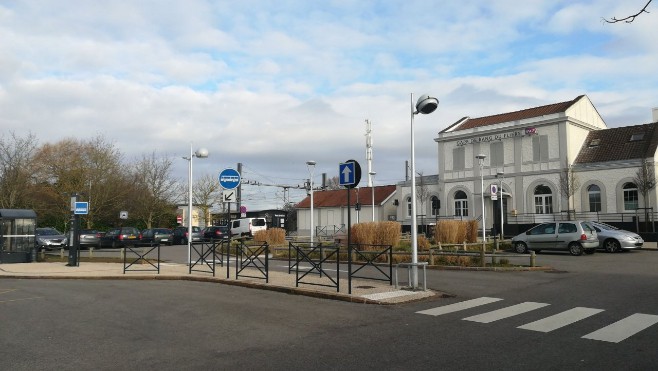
(554, 161)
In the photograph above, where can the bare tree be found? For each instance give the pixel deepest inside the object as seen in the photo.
(16, 156)
(156, 190)
(630, 18)
(569, 184)
(645, 181)
(206, 193)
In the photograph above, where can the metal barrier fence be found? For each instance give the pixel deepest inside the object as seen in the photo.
(251, 256)
(316, 256)
(368, 258)
(205, 256)
(134, 254)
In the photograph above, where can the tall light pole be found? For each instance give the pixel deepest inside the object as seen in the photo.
(481, 158)
(500, 175)
(200, 153)
(311, 167)
(425, 105)
(372, 192)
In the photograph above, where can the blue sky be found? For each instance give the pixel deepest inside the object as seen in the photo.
(272, 84)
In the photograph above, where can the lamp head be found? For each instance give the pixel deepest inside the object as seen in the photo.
(481, 156)
(201, 153)
(310, 163)
(426, 104)
(372, 173)
(500, 174)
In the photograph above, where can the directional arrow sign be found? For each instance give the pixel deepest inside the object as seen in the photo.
(349, 174)
(228, 196)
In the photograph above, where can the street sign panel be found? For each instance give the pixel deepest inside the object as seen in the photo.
(229, 178)
(228, 196)
(349, 173)
(81, 208)
(493, 189)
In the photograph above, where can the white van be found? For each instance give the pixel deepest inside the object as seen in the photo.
(247, 226)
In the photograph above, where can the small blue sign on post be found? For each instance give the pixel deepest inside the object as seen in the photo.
(229, 178)
(346, 173)
(81, 208)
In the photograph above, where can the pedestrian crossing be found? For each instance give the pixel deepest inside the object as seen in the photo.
(613, 333)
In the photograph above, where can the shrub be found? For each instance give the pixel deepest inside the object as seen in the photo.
(376, 233)
(273, 236)
(456, 231)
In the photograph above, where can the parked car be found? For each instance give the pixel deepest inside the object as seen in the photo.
(575, 236)
(90, 238)
(180, 235)
(50, 238)
(613, 239)
(162, 236)
(247, 226)
(120, 237)
(215, 232)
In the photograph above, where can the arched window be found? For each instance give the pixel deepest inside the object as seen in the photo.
(434, 206)
(630, 196)
(594, 196)
(409, 207)
(461, 204)
(543, 200)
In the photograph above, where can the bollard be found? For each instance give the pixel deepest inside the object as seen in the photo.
(484, 264)
(464, 244)
(61, 254)
(440, 248)
(91, 253)
(42, 253)
(532, 258)
(431, 257)
(123, 254)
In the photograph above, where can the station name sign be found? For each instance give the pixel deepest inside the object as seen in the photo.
(495, 137)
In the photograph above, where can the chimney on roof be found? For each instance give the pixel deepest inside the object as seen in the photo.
(654, 114)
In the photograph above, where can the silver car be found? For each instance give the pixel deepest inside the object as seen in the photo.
(613, 239)
(575, 236)
(50, 238)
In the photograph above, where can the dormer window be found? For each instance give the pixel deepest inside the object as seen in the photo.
(594, 142)
(637, 136)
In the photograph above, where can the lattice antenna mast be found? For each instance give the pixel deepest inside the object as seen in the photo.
(369, 151)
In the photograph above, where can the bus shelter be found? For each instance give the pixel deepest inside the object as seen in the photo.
(17, 235)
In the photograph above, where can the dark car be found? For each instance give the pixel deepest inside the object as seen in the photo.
(162, 236)
(120, 237)
(180, 235)
(50, 238)
(90, 238)
(215, 232)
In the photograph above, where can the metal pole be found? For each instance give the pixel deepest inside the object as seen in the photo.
(414, 222)
(372, 192)
(189, 210)
(484, 217)
(502, 221)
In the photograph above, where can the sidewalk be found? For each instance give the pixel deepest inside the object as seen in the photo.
(363, 291)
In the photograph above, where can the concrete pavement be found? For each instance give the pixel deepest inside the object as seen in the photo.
(363, 291)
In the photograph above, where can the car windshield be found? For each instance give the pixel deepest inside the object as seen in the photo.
(48, 232)
(605, 226)
(258, 222)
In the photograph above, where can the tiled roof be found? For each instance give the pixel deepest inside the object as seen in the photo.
(338, 198)
(615, 144)
(470, 123)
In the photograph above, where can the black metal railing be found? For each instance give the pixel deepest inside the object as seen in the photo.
(369, 258)
(316, 257)
(142, 254)
(203, 257)
(252, 256)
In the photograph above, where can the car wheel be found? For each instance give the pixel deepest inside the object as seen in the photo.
(575, 249)
(521, 247)
(611, 246)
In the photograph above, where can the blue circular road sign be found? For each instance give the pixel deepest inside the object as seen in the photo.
(229, 178)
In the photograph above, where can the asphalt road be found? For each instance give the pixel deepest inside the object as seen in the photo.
(167, 325)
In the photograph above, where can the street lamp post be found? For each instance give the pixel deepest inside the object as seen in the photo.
(500, 176)
(311, 167)
(425, 105)
(200, 153)
(481, 158)
(372, 192)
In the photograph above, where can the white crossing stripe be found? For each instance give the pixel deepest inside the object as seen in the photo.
(559, 320)
(459, 306)
(505, 312)
(624, 328)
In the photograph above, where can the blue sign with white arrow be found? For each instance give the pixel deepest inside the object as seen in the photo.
(349, 174)
(229, 178)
